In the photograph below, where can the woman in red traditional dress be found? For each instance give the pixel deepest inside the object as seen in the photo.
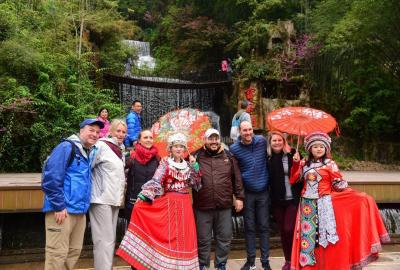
(162, 233)
(337, 227)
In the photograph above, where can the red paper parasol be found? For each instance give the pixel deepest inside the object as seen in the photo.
(191, 122)
(300, 121)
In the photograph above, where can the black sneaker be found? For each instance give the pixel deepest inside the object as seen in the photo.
(249, 266)
(266, 266)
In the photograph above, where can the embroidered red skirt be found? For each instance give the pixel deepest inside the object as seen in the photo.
(360, 229)
(161, 235)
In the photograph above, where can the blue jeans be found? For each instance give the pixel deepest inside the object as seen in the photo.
(256, 217)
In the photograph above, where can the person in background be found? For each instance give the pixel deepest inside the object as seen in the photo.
(221, 180)
(66, 185)
(336, 227)
(143, 163)
(224, 65)
(108, 184)
(250, 152)
(134, 122)
(162, 232)
(103, 117)
(229, 70)
(284, 196)
(239, 117)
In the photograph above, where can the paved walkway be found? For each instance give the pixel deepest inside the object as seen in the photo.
(386, 261)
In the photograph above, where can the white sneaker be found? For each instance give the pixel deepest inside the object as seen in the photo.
(248, 266)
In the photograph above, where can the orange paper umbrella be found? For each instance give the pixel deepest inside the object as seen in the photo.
(191, 122)
(300, 121)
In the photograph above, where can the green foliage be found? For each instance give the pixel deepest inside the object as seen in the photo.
(252, 35)
(48, 73)
(8, 21)
(361, 64)
(370, 26)
(193, 40)
(50, 70)
(256, 70)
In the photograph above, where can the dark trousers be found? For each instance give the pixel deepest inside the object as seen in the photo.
(217, 223)
(127, 215)
(256, 217)
(285, 216)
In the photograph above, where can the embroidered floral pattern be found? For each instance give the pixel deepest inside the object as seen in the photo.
(171, 177)
(309, 221)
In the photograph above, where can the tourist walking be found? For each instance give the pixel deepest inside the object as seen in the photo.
(162, 233)
(103, 117)
(239, 117)
(250, 151)
(221, 180)
(66, 183)
(142, 165)
(134, 122)
(336, 227)
(108, 184)
(284, 196)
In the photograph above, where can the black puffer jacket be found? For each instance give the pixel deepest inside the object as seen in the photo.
(220, 178)
(138, 174)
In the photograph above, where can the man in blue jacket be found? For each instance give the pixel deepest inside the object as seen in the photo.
(134, 123)
(251, 152)
(66, 184)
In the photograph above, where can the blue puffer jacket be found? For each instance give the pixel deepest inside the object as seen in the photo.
(134, 123)
(252, 160)
(68, 187)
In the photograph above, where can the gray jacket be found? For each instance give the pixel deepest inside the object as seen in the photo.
(108, 176)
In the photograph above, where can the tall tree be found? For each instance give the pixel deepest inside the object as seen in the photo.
(49, 60)
(361, 65)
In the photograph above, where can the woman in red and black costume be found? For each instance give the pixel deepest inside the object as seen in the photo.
(143, 163)
(162, 232)
(337, 227)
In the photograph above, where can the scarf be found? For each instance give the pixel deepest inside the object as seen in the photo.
(114, 148)
(143, 155)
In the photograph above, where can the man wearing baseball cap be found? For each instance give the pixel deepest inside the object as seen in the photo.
(221, 180)
(66, 183)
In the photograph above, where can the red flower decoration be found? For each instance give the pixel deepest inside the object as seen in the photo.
(305, 244)
(249, 92)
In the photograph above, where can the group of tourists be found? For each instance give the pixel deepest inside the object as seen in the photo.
(176, 205)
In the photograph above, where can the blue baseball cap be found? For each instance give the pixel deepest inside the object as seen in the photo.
(90, 122)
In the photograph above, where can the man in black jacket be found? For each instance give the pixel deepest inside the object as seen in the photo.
(221, 180)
